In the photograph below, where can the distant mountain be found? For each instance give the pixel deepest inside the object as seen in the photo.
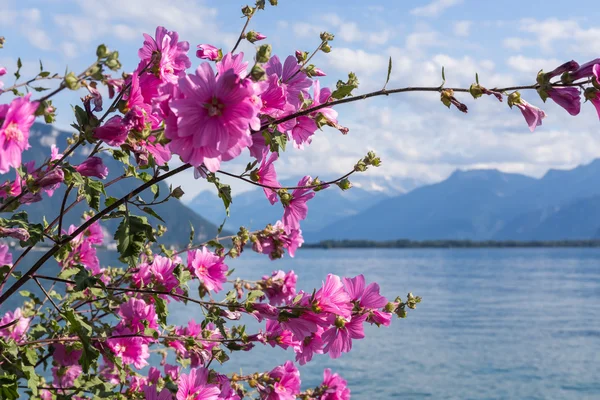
(178, 217)
(252, 209)
(482, 205)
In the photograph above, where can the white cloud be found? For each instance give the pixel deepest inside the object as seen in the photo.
(517, 43)
(532, 66)
(435, 8)
(462, 28)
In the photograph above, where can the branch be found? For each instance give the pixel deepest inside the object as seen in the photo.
(82, 228)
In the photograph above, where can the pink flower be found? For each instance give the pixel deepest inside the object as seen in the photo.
(277, 336)
(332, 298)
(5, 256)
(335, 387)
(338, 338)
(131, 350)
(2, 73)
(150, 393)
(213, 120)
(566, 67)
(64, 376)
(17, 330)
(266, 175)
(309, 346)
(207, 52)
(66, 355)
(296, 209)
(137, 315)
(293, 81)
(94, 233)
(368, 297)
(318, 72)
(286, 383)
(593, 95)
(93, 166)
(270, 95)
(532, 114)
(303, 130)
(280, 287)
(195, 386)
(596, 72)
(208, 267)
(322, 96)
(167, 56)
(566, 97)
(17, 119)
(114, 132)
(160, 273)
(235, 62)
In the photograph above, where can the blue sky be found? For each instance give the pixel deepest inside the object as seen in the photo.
(506, 42)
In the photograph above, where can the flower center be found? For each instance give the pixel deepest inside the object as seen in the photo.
(12, 132)
(214, 108)
(202, 270)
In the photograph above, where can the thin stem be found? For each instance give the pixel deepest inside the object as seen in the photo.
(27, 83)
(47, 295)
(242, 33)
(62, 208)
(63, 84)
(287, 188)
(306, 61)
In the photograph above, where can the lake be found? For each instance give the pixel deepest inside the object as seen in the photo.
(493, 323)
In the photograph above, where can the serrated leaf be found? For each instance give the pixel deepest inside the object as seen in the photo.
(254, 294)
(131, 235)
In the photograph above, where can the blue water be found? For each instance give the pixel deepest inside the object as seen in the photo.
(493, 324)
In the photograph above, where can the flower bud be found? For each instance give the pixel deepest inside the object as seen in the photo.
(263, 54)
(2, 41)
(113, 132)
(254, 36)
(209, 52)
(326, 48)
(254, 175)
(177, 192)
(17, 233)
(285, 197)
(257, 73)
(51, 178)
(326, 36)
(273, 2)
(101, 51)
(301, 56)
(344, 184)
(93, 166)
(247, 11)
(71, 81)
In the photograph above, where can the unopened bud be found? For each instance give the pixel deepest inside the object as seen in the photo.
(101, 51)
(273, 2)
(301, 56)
(247, 11)
(254, 175)
(254, 36)
(71, 81)
(177, 192)
(326, 36)
(344, 184)
(257, 73)
(263, 53)
(326, 48)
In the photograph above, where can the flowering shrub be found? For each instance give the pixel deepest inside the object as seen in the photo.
(51, 348)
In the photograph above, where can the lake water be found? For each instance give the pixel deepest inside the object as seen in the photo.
(493, 324)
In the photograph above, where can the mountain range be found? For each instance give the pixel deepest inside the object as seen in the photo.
(178, 216)
(484, 205)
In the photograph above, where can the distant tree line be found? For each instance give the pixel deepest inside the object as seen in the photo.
(418, 244)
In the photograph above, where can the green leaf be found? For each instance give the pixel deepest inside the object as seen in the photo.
(192, 234)
(83, 330)
(254, 294)
(9, 387)
(161, 309)
(131, 235)
(68, 272)
(31, 355)
(19, 65)
(344, 89)
(221, 227)
(389, 73)
(91, 191)
(149, 210)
